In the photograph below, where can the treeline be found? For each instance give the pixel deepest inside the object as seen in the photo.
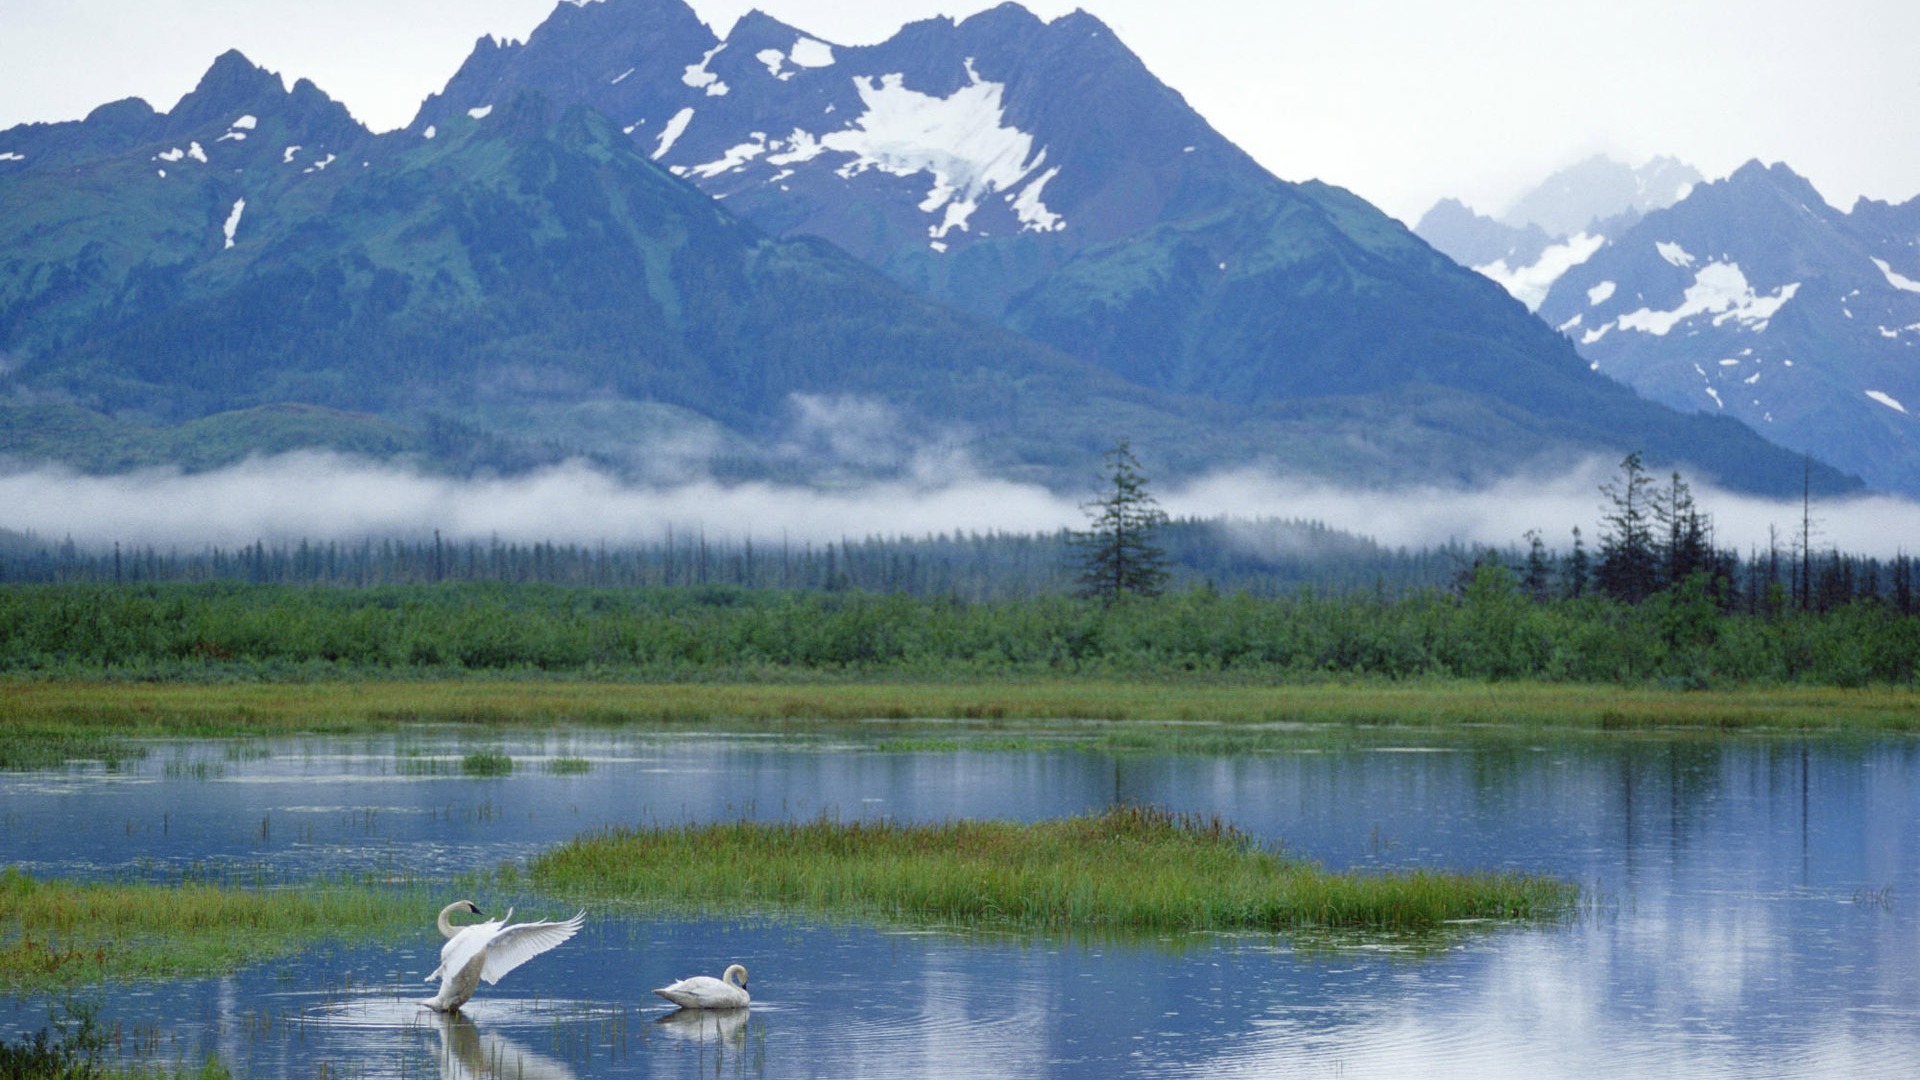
(1264, 557)
(1491, 629)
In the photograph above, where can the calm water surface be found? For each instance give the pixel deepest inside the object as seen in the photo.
(1753, 913)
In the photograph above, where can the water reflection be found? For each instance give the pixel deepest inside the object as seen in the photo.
(727, 1026)
(1744, 914)
(467, 1053)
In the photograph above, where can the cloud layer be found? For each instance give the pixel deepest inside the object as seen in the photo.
(324, 496)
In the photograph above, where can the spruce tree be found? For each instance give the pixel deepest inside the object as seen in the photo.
(1629, 563)
(1117, 554)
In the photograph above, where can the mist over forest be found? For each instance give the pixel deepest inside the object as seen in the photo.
(325, 497)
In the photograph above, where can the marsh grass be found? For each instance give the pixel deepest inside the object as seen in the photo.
(43, 724)
(566, 766)
(1134, 869)
(486, 763)
(50, 746)
(63, 934)
(75, 1045)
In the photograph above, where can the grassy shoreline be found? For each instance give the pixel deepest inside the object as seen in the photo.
(82, 713)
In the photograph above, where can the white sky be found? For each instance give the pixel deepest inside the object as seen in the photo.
(1403, 101)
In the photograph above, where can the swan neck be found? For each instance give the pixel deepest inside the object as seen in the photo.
(446, 920)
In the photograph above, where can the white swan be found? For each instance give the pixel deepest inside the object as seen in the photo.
(487, 951)
(707, 992)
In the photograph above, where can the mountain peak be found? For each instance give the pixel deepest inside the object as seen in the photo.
(1778, 178)
(233, 85)
(1003, 18)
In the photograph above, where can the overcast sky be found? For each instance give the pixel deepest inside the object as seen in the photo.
(1403, 101)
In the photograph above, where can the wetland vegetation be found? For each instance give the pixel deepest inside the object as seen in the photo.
(1131, 869)
(59, 933)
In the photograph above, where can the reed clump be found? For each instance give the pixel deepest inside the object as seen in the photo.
(56, 933)
(1132, 868)
(486, 763)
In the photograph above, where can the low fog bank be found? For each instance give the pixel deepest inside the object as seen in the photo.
(327, 497)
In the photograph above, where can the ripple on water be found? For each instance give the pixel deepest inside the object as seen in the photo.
(390, 1008)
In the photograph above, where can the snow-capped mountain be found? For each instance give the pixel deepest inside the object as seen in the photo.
(910, 154)
(1558, 224)
(1753, 298)
(626, 238)
(1036, 173)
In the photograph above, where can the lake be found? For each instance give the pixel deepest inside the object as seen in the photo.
(1750, 911)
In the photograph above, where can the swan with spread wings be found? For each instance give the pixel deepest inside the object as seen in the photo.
(487, 950)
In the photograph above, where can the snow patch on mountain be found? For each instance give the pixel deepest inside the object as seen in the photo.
(961, 141)
(1721, 291)
(735, 157)
(809, 53)
(481, 113)
(1887, 399)
(1895, 278)
(233, 220)
(1674, 254)
(1529, 284)
(671, 133)
(197, 154)
(801, 146)
(698, 77)
(806, 53)
(1600, 293)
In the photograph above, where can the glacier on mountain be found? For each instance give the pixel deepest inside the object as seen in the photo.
(961, 141)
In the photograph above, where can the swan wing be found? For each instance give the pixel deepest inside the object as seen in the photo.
(515, 945)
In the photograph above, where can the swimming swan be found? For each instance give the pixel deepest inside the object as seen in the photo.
(707, 992)
(487, 951)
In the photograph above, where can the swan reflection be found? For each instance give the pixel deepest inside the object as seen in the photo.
(467, 1053)
(722, 1026)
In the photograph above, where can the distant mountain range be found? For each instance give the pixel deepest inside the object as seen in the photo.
(1748, 297)
(1556, 225)
(766, 256)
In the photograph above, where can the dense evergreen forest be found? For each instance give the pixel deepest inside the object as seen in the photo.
(1265, 558)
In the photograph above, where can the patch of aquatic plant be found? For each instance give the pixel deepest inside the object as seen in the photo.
(60, 933)
(181, 768)
(566, 766)
(1132, 868)
(76, 1046)
(486, 763)
(41, 746)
